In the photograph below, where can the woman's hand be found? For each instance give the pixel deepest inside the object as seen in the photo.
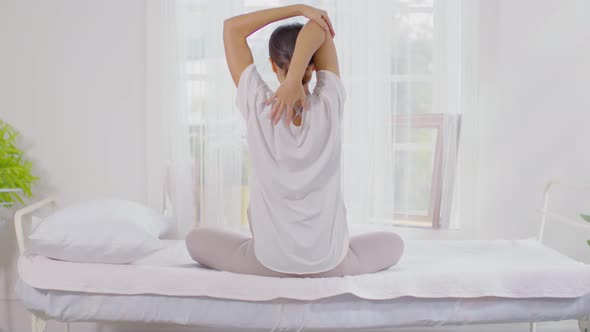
(285, 98)
(291, 90)
(319, 16)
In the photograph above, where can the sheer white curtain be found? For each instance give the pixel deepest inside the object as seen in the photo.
(399, 135)
(196, 148)
(364, 38)
(218, 135)
(171, 170)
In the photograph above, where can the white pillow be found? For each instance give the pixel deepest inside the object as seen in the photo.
(99, 231)
(117, 210)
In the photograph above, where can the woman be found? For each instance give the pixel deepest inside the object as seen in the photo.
(296, 215)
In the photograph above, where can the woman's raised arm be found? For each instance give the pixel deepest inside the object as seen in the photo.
(314, 42)
(238, 28)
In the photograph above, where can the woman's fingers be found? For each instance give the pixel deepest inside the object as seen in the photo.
(327, 18)
(274, 109)
(290, 111)
(322, 23)
(321, 17)
(284, 101)
(277, 115)
(271, 98)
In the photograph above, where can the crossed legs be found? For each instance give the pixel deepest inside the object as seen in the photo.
(232, 251)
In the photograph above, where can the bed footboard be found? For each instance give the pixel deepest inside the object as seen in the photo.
(584, 322)
(555, 217)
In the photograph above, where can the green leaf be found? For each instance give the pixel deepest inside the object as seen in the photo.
(15, 170)
(585, 217)
(588, 242)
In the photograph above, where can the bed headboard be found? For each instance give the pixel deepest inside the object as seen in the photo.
(18, 219)
(50, 202)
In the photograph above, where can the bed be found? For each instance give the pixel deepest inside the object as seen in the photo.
(437, 282)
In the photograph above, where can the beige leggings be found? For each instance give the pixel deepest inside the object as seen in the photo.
(229, 250)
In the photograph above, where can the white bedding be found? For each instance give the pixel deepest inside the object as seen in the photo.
(337, 312)
(429, 269)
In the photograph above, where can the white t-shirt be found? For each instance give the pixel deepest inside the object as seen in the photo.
(296, 213)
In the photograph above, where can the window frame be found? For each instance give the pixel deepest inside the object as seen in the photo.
(432, 121)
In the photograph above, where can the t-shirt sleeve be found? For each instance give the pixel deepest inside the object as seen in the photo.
(252, 91)
(329, 87)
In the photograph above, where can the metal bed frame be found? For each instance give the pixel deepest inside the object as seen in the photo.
(39, 321)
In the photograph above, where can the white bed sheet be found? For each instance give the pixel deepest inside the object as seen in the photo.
(429, 268)
(342, 311)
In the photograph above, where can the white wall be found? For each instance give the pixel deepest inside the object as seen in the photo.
(73, 84)
(72, 80)
(534, 113)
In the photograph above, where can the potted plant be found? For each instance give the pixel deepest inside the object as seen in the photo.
(16, 178)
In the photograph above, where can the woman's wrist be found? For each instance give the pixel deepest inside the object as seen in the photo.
(248, 23)
(292, 79)
(294, 74)
(292, 10)
(298, 9)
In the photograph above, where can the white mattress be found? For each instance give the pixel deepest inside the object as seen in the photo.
(428, 269)
(342, 311)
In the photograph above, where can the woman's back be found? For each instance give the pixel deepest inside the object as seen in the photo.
(296, 213)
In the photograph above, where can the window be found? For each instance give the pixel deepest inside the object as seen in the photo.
(419, 42)
(422, 81)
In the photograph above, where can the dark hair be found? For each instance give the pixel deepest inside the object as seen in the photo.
(282, 44)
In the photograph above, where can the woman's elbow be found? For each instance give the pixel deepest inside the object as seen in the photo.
(231, 29)
(316, 30)
(228, 25)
